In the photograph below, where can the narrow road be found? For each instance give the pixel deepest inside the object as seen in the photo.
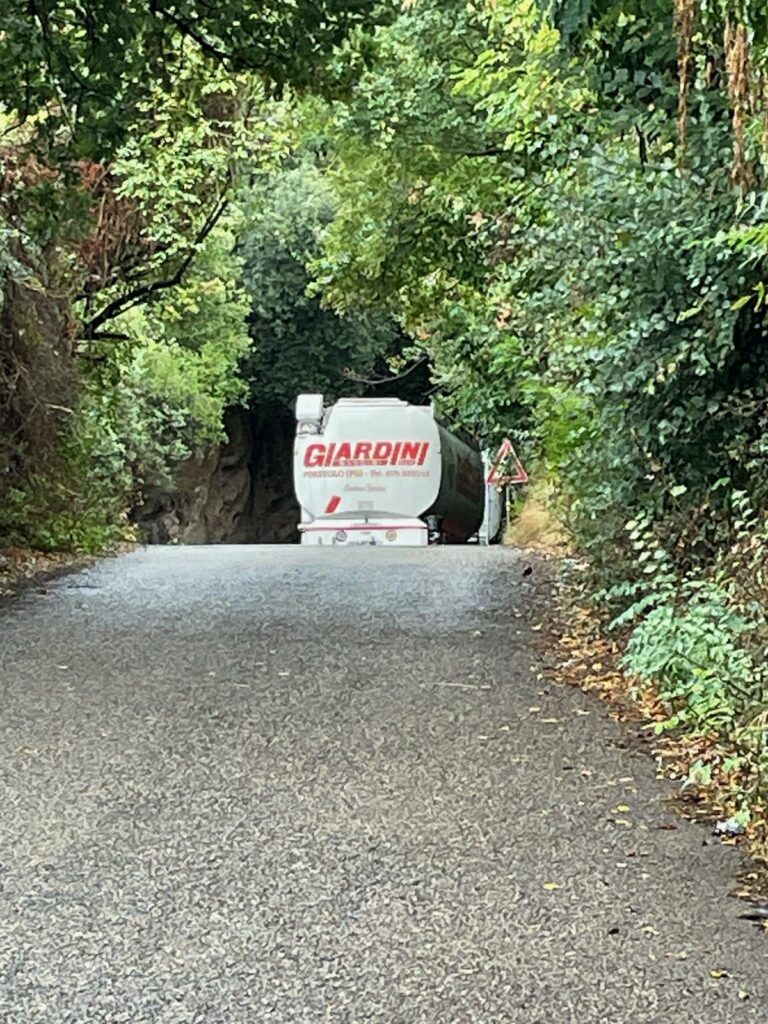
(245, 785)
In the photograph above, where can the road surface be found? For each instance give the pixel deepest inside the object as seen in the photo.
(251, 784)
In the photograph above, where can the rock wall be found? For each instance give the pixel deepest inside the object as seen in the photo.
(239, 492)
(273, 512)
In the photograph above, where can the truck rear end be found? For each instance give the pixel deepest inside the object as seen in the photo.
(381, 471)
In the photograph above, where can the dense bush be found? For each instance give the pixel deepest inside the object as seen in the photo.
(135, 413)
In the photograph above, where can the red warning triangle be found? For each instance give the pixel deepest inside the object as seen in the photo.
(507, 467)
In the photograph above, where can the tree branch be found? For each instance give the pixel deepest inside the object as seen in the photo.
(108, 336)
(491, 151)
(387, 380)
(144, 292)
(186, 29)
(642, 146)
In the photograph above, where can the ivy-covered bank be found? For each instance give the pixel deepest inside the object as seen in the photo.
(557, 205)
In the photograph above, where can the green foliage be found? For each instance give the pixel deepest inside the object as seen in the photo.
(195, 336)
(147, 403)
(83, 71)
(168, 187)
(297, 345)
(702, 643)
(692, 651)
(165, 397)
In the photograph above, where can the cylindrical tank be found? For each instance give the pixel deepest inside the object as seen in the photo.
(460, 502)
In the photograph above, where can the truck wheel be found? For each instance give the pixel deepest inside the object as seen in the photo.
(434, 531)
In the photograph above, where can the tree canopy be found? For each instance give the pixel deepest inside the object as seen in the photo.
(83, 72)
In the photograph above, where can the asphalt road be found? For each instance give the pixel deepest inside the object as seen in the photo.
(303, 786)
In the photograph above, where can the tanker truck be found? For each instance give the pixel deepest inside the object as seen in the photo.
(382, 471)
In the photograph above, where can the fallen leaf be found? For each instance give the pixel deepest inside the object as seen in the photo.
(551, 886)
(719, 974)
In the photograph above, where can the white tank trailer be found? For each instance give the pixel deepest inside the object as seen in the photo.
(381, 471)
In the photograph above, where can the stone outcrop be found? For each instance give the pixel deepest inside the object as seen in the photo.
(238, 492)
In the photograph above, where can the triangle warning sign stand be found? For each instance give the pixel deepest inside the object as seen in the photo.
(507, 467)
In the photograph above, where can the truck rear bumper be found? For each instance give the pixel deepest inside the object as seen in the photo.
(351, 532)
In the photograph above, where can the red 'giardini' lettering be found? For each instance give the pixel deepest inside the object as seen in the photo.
(366, 453)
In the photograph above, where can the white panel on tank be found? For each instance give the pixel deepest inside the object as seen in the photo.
(309, 407)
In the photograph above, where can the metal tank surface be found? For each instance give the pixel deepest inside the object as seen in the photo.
(381, 471)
